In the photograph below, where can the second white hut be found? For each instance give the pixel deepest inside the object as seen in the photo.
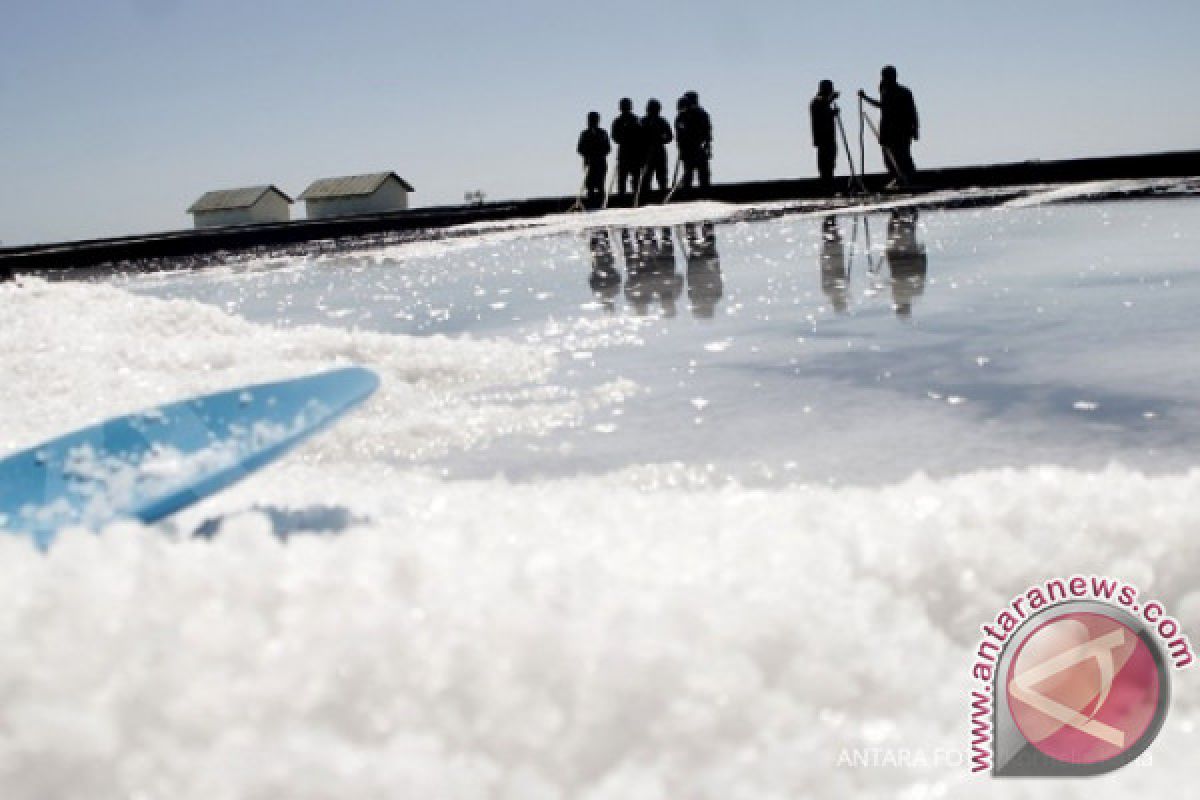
(376, 193)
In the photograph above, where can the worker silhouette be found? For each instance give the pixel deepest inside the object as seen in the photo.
(594, 147)
(680, 135)
(835, 277)
(694, 134)
(823, 110)
(627, 135)
(656, 135)
(604, 279)
(907, 261)
(704, 283)
(899, 126)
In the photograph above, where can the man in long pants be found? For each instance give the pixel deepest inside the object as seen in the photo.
(694, 135)
(899, 126)
(627, 136)
(594, 147)
(656, 135)
(824, 133)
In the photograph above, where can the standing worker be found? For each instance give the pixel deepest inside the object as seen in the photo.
(899, 126)
(695, 141)
(681, 136)
(627, 135)
(594, 147)
(824, 113)
(656, 135)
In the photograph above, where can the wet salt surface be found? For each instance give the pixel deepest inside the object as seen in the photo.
(856, 349)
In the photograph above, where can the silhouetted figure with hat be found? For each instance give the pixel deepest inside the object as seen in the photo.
(656, 135)
(594, 147)
(680, 133)
(899, 126)
(627, 136)
(694, 134)
(823, 111)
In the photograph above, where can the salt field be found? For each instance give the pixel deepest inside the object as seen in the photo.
(677, 502)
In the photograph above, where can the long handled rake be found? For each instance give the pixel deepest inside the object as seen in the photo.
(674, 181)
(862, 135)
(612, 182)
(887, 151)
(856, 182)
(637, 196)
(578, 206)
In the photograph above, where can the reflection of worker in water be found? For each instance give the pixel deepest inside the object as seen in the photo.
(835, 280)
(604, 279)
(907, 261)
(650, 268)
(704, 284)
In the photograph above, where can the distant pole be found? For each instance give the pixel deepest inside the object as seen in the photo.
(862, 137)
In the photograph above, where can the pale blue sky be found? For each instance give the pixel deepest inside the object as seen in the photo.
(115, 115)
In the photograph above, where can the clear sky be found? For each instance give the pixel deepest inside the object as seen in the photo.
(116, 115)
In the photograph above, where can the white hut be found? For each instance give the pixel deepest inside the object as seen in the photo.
(248, 206)
(376, 193)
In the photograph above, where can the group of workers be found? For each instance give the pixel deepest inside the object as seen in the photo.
(642, 142)
(642, 148)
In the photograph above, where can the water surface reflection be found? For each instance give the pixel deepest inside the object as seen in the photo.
(653, 283)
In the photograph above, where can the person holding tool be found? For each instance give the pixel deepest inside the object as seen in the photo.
(899, 126)
(681, 137)
(694, 134)
(824, 112)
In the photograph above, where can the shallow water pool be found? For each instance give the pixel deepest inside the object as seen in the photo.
(857, 348)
